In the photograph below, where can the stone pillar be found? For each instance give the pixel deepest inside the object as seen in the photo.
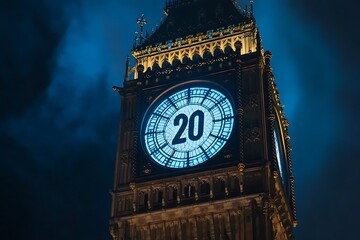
(239, 101)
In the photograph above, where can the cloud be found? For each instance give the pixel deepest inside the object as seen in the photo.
(59, 116)
(59, 148)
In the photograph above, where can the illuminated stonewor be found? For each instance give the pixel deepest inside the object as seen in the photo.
(203, 148)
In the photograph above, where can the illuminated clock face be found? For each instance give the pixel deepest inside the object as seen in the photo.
(280, 155)
(188, 127)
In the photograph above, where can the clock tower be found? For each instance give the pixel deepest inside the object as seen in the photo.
(203, 149)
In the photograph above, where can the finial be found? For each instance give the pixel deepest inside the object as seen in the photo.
(140, 69)
(268, 56)
(127, 69)
(258, 41)
(238, 46)
(251, 8)
(141, 21)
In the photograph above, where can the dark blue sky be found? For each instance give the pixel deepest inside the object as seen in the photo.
(59, 116)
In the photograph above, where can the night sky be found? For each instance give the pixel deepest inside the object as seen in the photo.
(59, 116)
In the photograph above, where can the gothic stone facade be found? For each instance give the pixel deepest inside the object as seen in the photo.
(246, 190)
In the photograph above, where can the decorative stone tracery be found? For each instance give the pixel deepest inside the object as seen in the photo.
(202, 45)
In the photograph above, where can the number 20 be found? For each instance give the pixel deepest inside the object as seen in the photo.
(178, 139)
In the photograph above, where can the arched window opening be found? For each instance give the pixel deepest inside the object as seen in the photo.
(172, 194)
(196, 58)
(204, 189)
(143, 202)
(219, 188)
(218, 52)
(157, 198)
(185, 60)
(166, 64)
(207, 55)
(189, 191)
(228, 50)
(234, 187)
(155, 66)
(176, 62)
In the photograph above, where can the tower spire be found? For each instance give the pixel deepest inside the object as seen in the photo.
(251, 8)
(141, 21)
(127, 69)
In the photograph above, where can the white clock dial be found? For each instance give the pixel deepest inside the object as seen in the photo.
(281, 158)
(279, 154)
(188, 127)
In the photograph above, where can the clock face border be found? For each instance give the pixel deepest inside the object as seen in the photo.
(176, 89)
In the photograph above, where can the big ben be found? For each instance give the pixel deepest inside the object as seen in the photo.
(203, 149)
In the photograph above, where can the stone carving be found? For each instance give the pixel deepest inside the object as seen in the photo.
(252, 102)
(252, 135)
(147, 168)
